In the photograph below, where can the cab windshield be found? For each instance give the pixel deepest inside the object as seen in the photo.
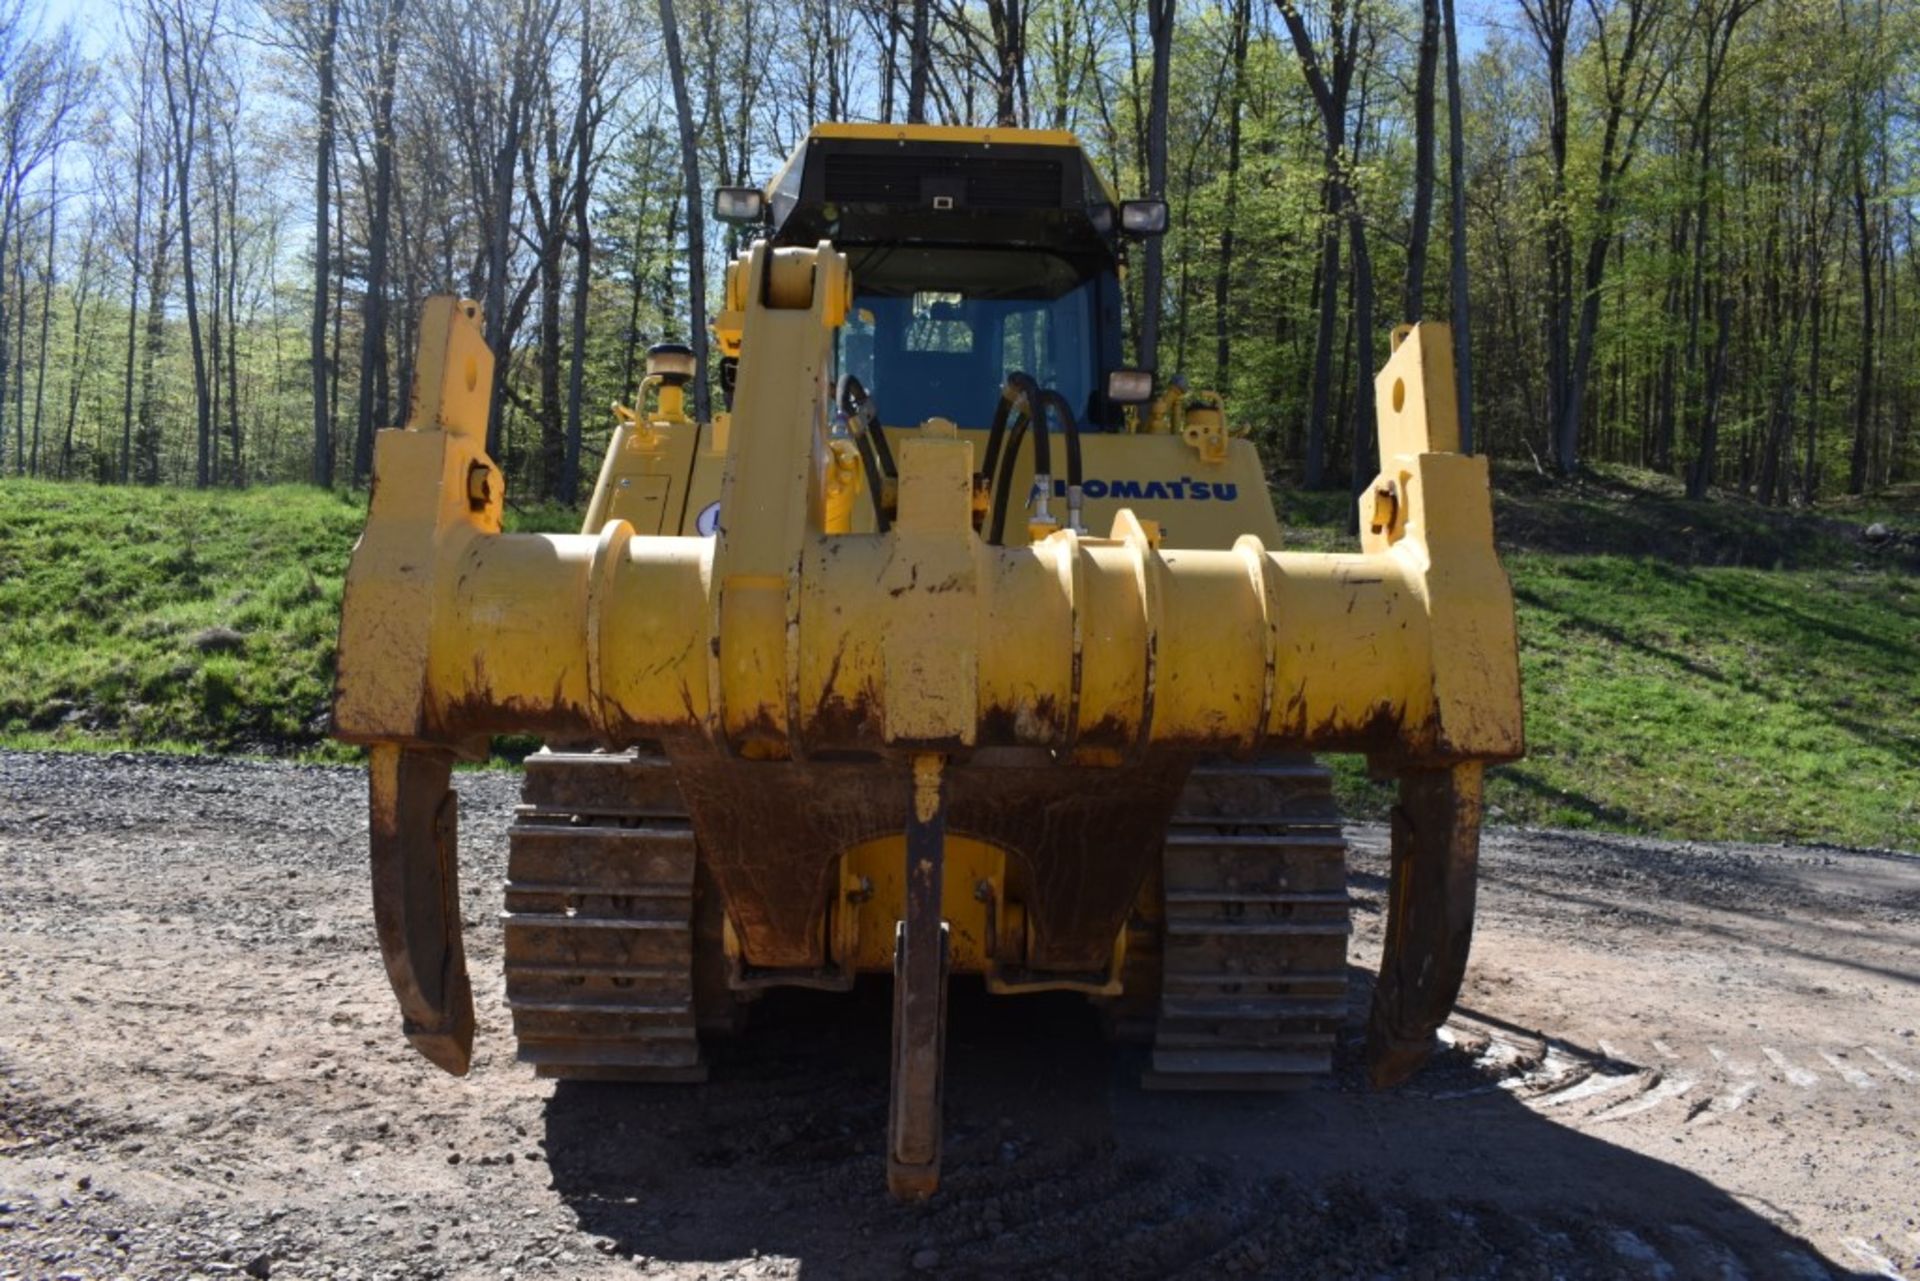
(925, 352)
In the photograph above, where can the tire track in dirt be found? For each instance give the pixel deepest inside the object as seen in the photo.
(199, 1028)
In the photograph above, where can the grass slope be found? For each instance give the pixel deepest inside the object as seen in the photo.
(1707, 671)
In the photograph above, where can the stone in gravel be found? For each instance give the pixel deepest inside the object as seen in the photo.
(926, 1260)
(260, 1267)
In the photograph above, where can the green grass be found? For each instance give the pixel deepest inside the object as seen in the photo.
(148, 616)
(1714, 671)
(1708, 671)
(171, 620)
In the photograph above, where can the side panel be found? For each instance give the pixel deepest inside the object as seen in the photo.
(644, 478)
(1196, 504)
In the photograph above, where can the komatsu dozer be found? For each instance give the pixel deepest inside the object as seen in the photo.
(951, 647)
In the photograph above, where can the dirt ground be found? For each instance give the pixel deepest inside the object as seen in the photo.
(1670, 1061)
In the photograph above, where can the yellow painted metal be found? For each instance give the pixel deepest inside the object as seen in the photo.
(946, 133)
(873, 895)
(987, 931)
(1161, 478)
(645, 475)
(437, 491)
(1204, 427)
(779, 635)
(795, 631)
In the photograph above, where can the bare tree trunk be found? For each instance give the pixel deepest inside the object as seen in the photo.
(1457, 236)
(1551, 22)
(46, 312)
(322, 248)
(19, 372)
(1816, 309)
(239, 477)
(1008, 18)
(1422, 225)
(1152, 279)
(159, 283)
(1242, 23)
(1365, 437)
(1863, 387)
(8, 216)
(183, 110)
(696, 220)
(372, 408)
(133, 284)
(583, 132)
(551, 225)
(79, 358)
(1330, 93)
(216, 321)
(920, 61)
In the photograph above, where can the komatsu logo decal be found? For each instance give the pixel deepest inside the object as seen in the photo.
(1185, 489)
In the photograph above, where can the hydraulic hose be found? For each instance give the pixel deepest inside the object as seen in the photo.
(1071, 427)
(1042, 467)
(1021, 390)
(871, 466)
(857, 405)
(855, 408)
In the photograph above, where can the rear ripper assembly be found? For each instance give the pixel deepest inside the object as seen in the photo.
(764, 660)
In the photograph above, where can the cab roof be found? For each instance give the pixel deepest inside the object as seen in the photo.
(955, 186)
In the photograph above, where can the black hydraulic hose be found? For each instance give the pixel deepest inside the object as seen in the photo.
(1019, 389)
(855, 409)
(997, 528)
(1053, 400)
(1042, 464)
(1070, 426)
(857, 405)
(872, 468)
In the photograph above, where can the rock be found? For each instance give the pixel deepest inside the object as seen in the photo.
(218, 640)
(1878, 533)
(926, 1260)
(260, 1267)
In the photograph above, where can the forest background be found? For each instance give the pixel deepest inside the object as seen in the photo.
(1686, 228)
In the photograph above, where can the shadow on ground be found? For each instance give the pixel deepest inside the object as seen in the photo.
(1059, 1165)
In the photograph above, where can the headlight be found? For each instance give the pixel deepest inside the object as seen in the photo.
(1130, 386)
(739, 204)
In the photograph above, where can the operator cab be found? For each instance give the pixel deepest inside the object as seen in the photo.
(975, 254)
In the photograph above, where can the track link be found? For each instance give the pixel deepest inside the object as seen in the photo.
(600, 920)
(1253, 947)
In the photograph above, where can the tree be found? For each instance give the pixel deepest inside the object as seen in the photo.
(376, 30)
(42, 83)
(1632, 74)
(185, 37)
(1457, 237)
(320, 38)
(1152, 278)
(696, 223)
(1330, 80)
(1415, 307)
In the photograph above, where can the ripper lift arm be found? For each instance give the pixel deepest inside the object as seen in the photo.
(785, 635)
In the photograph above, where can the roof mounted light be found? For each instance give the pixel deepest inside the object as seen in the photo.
(1140, 219)
(739, 204)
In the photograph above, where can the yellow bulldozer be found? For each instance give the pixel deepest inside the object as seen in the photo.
(954, 646)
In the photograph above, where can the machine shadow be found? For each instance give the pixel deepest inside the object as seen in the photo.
(1058, 1164)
